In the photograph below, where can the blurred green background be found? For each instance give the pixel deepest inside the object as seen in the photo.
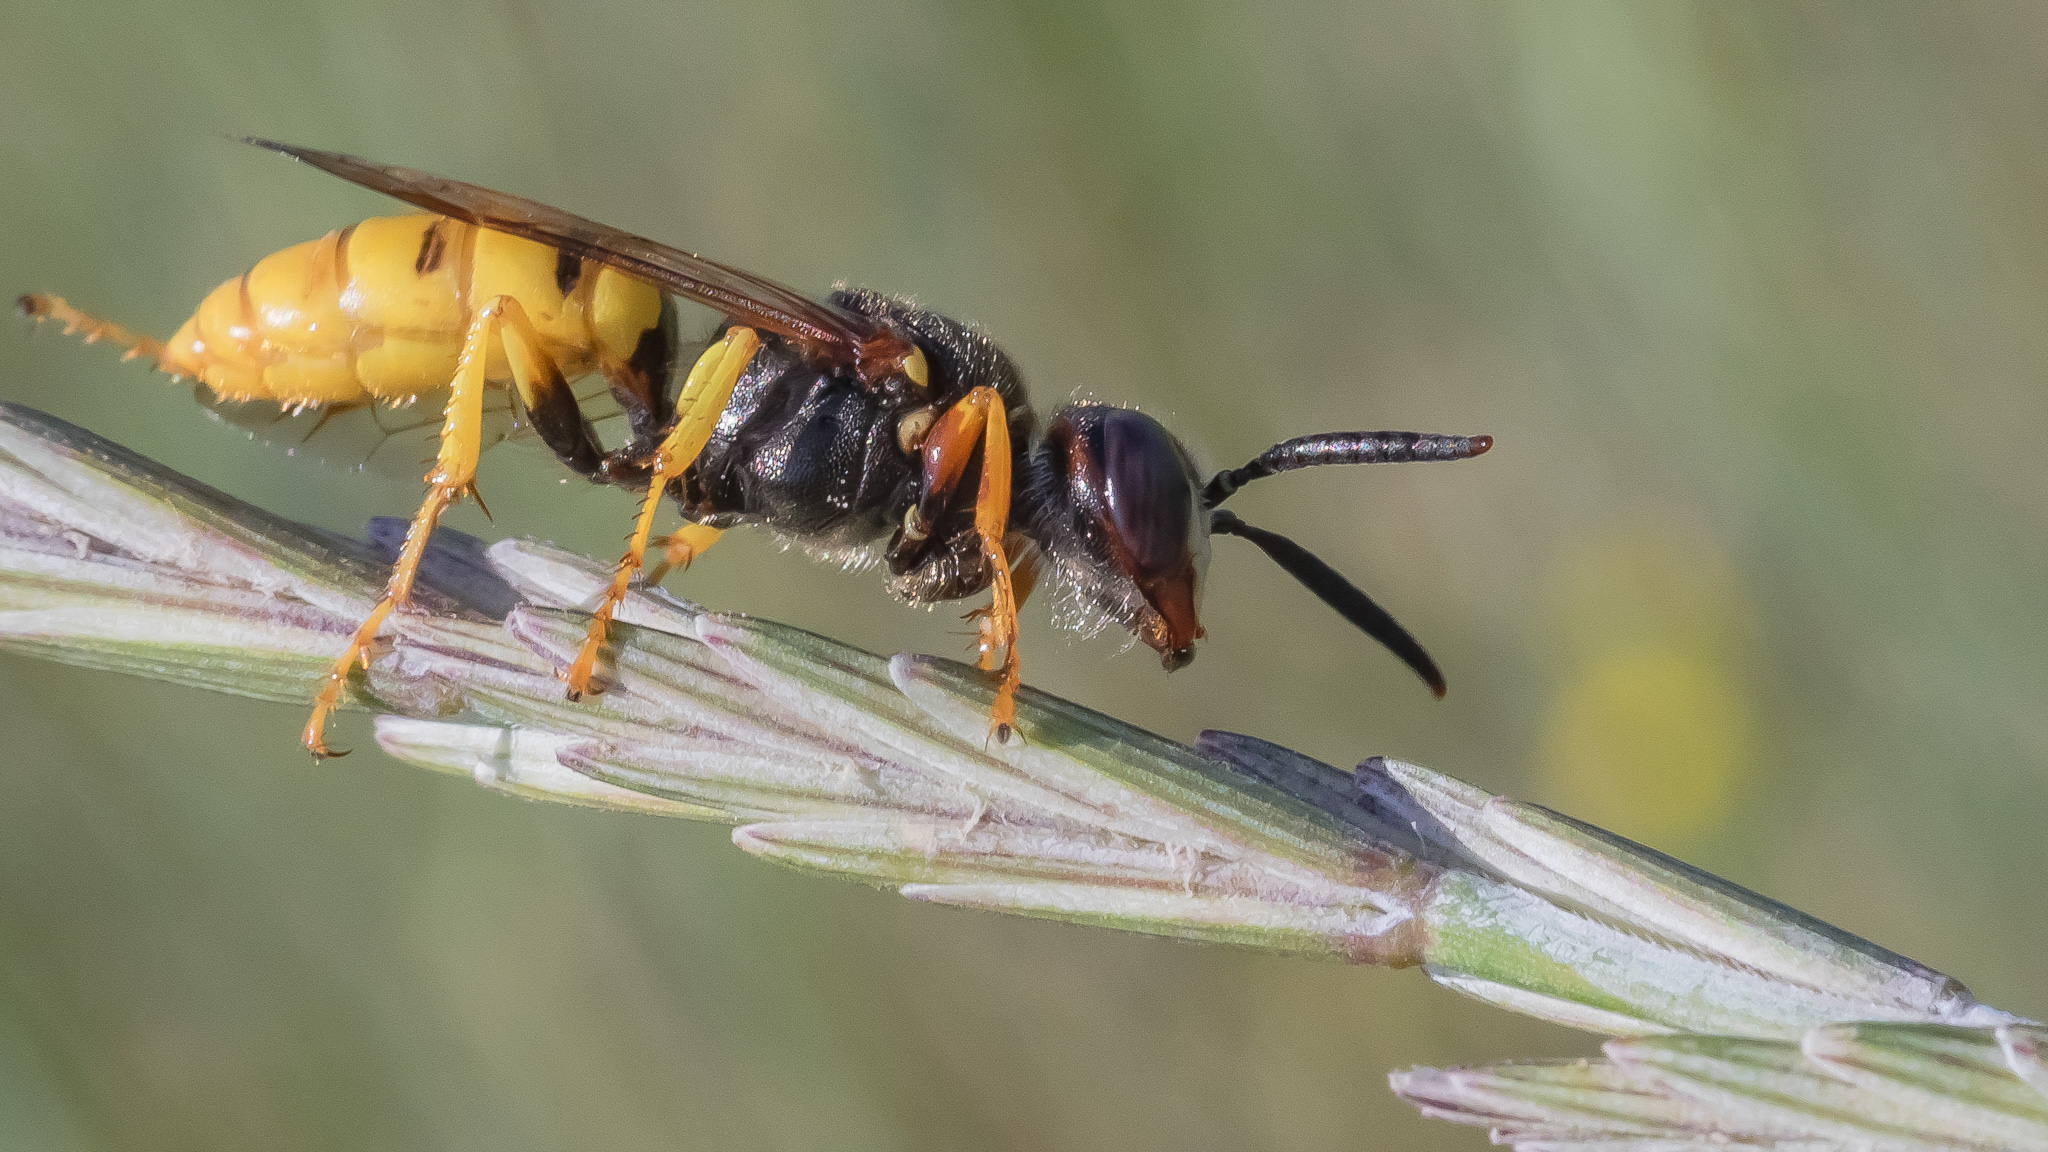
(1750, 295)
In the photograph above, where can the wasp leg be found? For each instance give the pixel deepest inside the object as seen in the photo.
(453, 477)
(1026, 565)
(640, 383)
(681, 547)
(698, 406)
(133, 345)
(545, 392)
(979, 421)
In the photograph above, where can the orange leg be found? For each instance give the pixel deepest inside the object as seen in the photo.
(681, 547)
(1026, 565)
(453, 477)
(703, 398)
(979, 420)
(133, 345)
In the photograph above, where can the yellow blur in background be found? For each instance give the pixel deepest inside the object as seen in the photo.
(1649, 730)
(1751, 297)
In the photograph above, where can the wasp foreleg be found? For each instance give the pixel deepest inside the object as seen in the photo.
(978, 420)
(1027, 563)
(702, 399)
(454, 475)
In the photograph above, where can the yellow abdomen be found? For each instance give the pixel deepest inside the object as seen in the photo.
(378, 311)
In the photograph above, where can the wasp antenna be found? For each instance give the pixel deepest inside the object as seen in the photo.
(1333, 589)
(1344, 448)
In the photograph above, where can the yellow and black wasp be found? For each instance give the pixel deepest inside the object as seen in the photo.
(855, 425)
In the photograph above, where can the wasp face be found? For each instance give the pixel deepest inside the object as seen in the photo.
(1117, 504)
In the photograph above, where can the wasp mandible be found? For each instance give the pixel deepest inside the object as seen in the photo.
(861, 427)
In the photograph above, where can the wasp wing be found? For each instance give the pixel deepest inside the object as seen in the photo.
(357, 436)
(826, 332)
(388, 440)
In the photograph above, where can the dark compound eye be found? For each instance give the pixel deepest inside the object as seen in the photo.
(1128, 511)
(1147, 487)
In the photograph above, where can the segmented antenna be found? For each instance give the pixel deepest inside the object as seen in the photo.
(1333, 589)
(1344, 448)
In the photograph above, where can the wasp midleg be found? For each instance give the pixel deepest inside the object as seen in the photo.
(698, 405)
(382, 312)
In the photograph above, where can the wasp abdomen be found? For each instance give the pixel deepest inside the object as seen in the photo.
(378, 311)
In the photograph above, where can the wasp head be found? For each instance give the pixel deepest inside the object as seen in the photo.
(1117, 506)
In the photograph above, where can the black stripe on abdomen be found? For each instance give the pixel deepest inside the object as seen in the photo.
(433, 246)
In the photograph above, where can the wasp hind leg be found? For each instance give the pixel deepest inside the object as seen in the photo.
(544, 392)
(698, 405)
(550, 403)
(979, 420)
(133, 345)
(639, 383)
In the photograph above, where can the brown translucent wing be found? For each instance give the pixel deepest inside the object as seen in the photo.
(826, 332)
(392, 441)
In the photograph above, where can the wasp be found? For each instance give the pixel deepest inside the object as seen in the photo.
(861, 427)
